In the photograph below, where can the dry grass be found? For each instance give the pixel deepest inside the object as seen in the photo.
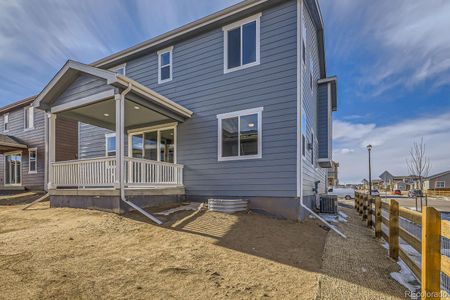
(69, 253)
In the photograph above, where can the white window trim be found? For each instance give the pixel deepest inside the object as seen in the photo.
(156, 128)
(5, 121)
(124, 66)
(160, 53)
(26, 111)
(436, 184)
(240, 113)
(108, 135)
(4, 169)
(235, 25)
(29, 160)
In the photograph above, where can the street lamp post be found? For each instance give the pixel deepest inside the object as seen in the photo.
(369, 149)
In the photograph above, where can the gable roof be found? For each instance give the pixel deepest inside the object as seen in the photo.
(17, 104)
(72, 69)
(438, 175)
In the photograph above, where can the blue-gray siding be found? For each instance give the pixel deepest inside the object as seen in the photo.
(199, 83)
(83, 86)
(323, 115)
(311, 170)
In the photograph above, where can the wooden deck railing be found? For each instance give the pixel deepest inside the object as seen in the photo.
(101, 172)
(429, 245)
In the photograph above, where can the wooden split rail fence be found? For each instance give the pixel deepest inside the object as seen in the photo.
(429, 246)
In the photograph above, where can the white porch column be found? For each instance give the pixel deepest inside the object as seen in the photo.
(120, 113)
(51, 147)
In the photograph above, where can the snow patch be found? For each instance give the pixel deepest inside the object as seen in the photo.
(406, 278)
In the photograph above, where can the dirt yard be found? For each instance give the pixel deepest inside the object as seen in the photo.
(69, 253)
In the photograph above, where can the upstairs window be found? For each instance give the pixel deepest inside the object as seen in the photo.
(6, 122)
(28, 117)
(110, 140)
(303, 133)
(242, 44)
(165, 65)
(240, 135)
(32, 160)
(119, 69)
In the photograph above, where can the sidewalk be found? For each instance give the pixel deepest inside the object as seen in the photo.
(357, 267)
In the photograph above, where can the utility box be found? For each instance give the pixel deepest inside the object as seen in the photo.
(328, 204)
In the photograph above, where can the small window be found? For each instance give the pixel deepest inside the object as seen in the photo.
(165, 65)
(6, 122)
(29, 117)
(110, 139)
(440, 184)
(119, 69)
(241, 44)
(240, 135)
(32, 160)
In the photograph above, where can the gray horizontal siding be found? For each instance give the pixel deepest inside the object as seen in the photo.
(84, 86)
(311, 171)
(200, 84)
(322, 120)
(34, 138)
(92, 141)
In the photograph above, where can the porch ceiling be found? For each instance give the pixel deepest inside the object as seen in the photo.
(102, 114)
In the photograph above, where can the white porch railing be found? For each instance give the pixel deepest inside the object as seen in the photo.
(101, 172)
(144, 172)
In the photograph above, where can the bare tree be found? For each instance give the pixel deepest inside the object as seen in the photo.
(419, 164)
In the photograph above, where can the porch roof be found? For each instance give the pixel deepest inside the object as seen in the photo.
(72, 70)
(8, 143)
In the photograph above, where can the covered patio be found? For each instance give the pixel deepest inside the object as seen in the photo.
(140, 152)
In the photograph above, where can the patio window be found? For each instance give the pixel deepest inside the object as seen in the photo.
(242, 44)
(165, 65)
(29, 117)
(240, 135)
(110, 141)
(440, 184)
(157, 144)
(6, 122)
(32, 160)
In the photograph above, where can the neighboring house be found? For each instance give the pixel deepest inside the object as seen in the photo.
(388, 180)
(437, 181)
(333, 172)
(234, 105)
(22, 145)
(404, 183)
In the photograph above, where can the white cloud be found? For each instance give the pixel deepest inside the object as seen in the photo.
(407, 41)
(391, 145)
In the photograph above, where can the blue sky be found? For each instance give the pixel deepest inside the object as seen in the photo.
(391, 58)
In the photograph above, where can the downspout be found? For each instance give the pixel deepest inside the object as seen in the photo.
(299, 113)
(122, 148)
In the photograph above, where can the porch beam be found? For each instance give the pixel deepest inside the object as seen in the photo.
(119, 101)
(51, 147)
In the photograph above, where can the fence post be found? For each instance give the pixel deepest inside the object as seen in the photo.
(431, 253)
(364, 209)
(378, 219)
(393, 229)
(369, 211)
(361, 199)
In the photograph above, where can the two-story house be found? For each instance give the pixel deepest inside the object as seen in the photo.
(234, 105)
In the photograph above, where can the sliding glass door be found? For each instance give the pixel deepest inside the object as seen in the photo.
(157, 144)
(13, 169)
